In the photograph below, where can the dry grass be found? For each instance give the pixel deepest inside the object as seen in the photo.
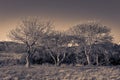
(4, 56)
(42, 72)
(50, 72)
(7, 59)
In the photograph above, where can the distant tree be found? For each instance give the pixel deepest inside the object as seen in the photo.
(89, 34)
(30, 32)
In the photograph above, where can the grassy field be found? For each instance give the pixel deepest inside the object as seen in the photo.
(42, 72)
(50, 72)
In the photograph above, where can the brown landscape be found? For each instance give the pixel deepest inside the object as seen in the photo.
(50, 72)
(59, 73)
(59, 40)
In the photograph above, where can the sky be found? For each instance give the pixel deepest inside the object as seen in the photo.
(63, 13)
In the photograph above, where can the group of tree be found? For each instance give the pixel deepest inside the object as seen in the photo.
(88, 40)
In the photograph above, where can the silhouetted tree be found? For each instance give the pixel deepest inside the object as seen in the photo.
(30, 32)
(89, 34)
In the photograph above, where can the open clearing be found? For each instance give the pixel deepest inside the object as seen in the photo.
(43, 72)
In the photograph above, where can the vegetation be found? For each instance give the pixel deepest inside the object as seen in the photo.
(45, 72)
(89, 34)
(84, 52)
(29, 32)
(84, 44)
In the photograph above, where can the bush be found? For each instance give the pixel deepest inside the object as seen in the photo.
(23, 59)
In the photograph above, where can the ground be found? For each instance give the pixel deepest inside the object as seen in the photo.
(43, 72)
(9, 70)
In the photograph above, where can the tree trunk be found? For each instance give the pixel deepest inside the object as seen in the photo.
(55, 61)
(97, 62)
(107, 57)
(27, 61)
(58, 61)
(88, 60)
(57, 64)
(87, 56)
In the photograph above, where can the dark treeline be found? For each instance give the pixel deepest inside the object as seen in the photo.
(86, 44)
(41, 56)
(75, 55)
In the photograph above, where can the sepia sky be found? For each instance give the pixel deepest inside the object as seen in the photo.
(63, 13)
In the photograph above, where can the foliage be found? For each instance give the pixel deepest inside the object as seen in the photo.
(89, 43)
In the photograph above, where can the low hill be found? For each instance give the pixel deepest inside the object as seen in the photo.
(9, 46)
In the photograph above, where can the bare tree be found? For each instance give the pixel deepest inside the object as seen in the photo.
(56, 46)
(30, 32)
(89, 34)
